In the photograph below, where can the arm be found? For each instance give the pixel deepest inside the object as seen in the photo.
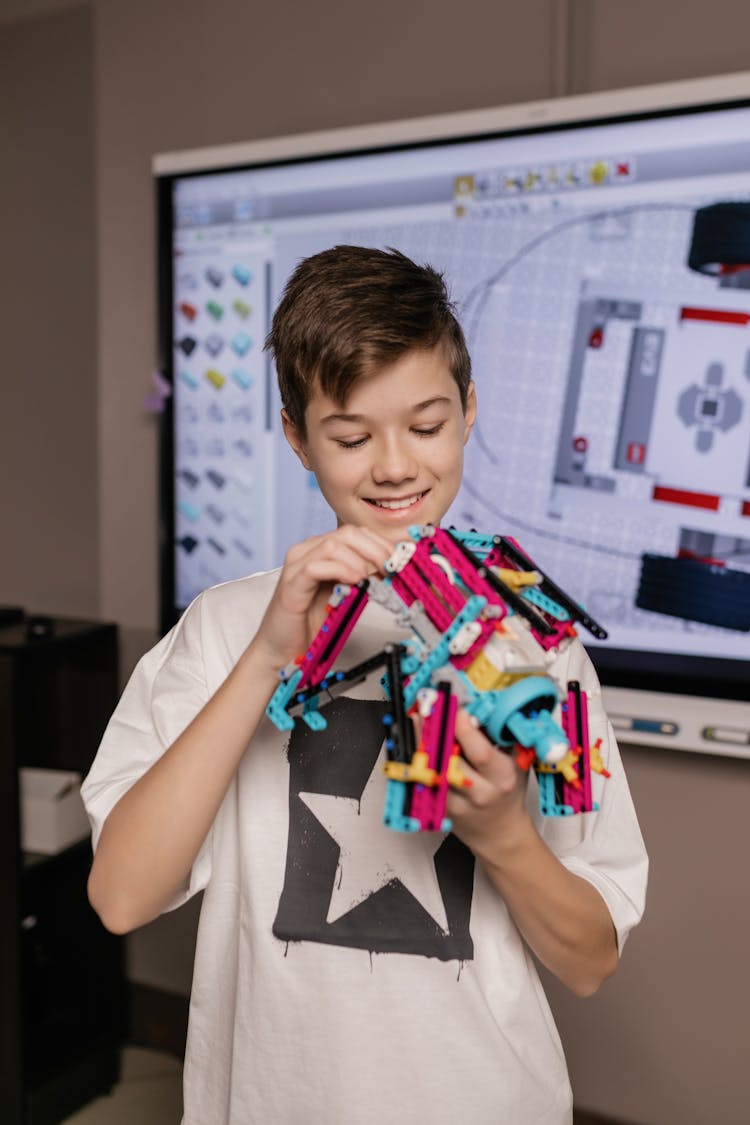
(562, 917)
(152, 836)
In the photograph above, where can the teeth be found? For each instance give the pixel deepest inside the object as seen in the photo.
(394, 504)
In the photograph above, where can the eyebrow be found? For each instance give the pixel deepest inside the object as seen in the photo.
(420, 407)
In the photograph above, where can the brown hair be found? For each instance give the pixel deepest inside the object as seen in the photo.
(351, 310)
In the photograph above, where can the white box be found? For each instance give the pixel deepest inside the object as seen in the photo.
(52, 812)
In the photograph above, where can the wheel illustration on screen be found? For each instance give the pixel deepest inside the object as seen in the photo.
(720, 243)
(695, 591)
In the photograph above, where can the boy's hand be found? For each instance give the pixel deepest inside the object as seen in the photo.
(562, 916)
(311, 568)
(491, 813)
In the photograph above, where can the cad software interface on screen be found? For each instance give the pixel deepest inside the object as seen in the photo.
(613, 380)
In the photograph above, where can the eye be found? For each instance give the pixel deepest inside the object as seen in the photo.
(430, 431)
(355, 444)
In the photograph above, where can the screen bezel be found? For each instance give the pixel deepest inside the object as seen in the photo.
(678, 674)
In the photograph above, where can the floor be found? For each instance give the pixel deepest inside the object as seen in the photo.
(149, 1093)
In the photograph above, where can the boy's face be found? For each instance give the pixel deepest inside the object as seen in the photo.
(392, 456)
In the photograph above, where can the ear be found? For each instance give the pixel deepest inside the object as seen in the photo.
(470, 413)
(295, 439)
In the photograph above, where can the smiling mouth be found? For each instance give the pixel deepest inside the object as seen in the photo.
(396, 505)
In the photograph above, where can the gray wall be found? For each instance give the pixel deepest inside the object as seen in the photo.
(87, 94)
(48, 319)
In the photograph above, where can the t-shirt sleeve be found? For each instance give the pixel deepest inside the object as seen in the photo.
(165, 692)
(605, 847)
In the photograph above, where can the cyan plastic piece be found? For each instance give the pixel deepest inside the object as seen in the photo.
(476, 542)
(548, 803)
(441, 652)
(313, 717)
(416, 531)
(536, 597)
(539, 731)
(277, 707)
(494, 709)
(393, 811)
(409, 665)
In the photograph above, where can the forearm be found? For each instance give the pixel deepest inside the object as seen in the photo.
(151, 838)
(562, 917)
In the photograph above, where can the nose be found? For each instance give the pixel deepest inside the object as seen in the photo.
(394, 462)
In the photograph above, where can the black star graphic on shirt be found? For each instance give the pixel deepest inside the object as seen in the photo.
(413, 895)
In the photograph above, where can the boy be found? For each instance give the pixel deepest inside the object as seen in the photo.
(344, 972)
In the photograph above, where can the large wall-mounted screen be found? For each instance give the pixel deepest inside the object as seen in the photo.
(596, 267)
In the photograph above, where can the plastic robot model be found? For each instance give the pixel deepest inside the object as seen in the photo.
(485, 626)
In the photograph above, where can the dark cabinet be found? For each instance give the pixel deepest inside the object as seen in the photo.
(62, 992)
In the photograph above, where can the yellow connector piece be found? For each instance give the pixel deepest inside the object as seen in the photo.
(396, 771)
(517, 578)
(415, 770)
(457, 779)
(215, 378)
(420, 770)
(566, 766)
(595, 758)
(485, 676)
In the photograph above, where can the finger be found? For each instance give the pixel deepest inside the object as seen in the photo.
(340, 556)
(372, 549)
(471, 775)
(369, 544)
(333, 547)
(298, 550)
(477, 794)
(343, 565)
(477, 748)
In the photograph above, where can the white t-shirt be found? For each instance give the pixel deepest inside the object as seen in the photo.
(347, 974)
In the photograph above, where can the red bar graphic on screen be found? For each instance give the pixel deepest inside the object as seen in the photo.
(717, 316)
(682, 496)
